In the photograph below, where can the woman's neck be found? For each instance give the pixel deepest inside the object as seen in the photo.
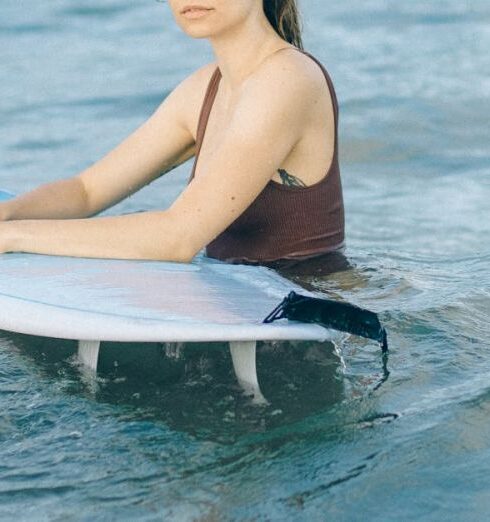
(239, 51)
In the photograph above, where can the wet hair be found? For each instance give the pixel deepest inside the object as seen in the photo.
(284, 17)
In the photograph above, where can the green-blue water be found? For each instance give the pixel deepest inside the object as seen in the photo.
(172, 438)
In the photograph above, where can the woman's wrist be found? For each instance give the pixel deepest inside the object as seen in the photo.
(5, 211)
(8, 235)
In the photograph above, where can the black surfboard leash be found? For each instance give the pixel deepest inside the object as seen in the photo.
(344, 317)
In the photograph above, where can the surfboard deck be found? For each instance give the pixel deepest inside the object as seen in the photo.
(93, 300)
(114, 300)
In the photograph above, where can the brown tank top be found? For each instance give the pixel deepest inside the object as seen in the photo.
(283, 222)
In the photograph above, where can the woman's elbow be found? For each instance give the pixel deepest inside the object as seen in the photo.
(185, 256)
(181, 252)
(188, 250)
(172, 241)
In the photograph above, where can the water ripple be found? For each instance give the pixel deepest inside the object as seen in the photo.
(159, 437)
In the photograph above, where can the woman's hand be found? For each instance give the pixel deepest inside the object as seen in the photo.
(5, 236)
(3, 212)
(5, 203)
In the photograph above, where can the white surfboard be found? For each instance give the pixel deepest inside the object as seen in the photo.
(93, 300)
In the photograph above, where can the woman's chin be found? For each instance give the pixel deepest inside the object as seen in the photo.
(200, 28)
(195, 32)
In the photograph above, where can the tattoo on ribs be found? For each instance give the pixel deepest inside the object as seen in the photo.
(289, 179)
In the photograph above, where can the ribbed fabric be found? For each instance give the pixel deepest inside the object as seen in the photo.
(283, 222)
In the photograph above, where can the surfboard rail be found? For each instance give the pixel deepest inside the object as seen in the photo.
(93, 300)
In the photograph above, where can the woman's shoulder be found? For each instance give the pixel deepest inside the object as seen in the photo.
(188, 95)
(287, 78)
(194, 84)
(297, 65)
(201, 76)
(290, 72)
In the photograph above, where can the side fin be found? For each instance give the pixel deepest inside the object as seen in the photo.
(344, 317)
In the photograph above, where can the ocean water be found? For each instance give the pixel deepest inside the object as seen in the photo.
(164, 437)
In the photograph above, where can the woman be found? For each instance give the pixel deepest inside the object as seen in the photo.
(266, 187)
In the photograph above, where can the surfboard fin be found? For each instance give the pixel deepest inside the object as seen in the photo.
(344, 317)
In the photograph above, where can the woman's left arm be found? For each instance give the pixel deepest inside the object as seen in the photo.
(266, 124)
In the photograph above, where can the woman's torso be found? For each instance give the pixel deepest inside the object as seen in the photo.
(284, 222)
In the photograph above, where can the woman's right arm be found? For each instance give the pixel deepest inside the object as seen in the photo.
(164, 141)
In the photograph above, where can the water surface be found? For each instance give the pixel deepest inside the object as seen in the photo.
(167, 435)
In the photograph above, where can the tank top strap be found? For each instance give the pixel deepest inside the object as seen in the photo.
(207, 104)
(331, 89)
(212, 90)
(329, 83)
